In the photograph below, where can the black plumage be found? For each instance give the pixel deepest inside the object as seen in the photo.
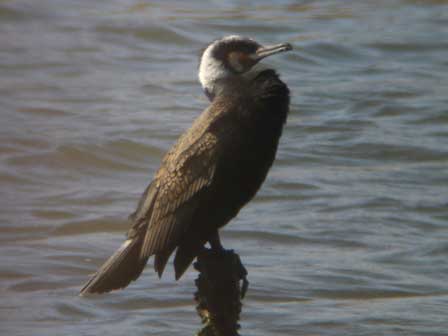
(212, 171)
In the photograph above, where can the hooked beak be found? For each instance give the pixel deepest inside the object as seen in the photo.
(263, 52)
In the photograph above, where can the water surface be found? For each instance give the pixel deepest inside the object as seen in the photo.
(349, 234)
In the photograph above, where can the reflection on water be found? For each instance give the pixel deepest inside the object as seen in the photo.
(349, 234)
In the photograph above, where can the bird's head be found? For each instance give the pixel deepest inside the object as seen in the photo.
(232, 56)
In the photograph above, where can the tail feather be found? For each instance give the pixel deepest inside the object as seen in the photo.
(185, 255)
(160, 260)
(124, 266)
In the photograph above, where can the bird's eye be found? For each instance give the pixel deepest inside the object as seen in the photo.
(240, 61)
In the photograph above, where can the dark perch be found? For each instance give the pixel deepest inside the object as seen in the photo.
(221, 285)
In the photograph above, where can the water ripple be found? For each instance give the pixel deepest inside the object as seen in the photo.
(348, 234)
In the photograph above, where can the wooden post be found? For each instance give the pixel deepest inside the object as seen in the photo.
(221, 285)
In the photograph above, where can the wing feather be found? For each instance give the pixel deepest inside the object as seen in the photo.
(181, 180)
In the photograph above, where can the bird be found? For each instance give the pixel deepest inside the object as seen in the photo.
(213, 170)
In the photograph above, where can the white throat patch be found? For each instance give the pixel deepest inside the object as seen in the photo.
(210, 69)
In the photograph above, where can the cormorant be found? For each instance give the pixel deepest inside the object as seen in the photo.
(213, 170)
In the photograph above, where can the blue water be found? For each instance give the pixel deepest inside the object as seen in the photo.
(349, 234)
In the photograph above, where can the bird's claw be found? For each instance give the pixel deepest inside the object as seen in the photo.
(242, 276)
(244, 287)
